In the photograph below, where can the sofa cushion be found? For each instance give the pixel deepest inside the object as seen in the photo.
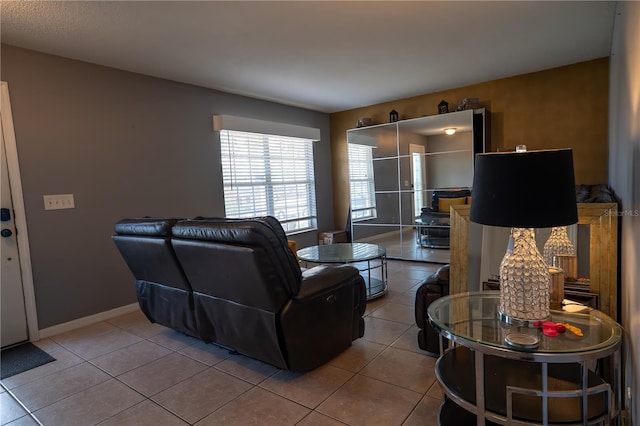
(448, 193)
(444, 204)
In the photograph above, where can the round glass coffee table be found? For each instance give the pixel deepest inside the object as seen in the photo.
(370, 259)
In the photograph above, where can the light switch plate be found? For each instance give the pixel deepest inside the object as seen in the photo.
(59, 201)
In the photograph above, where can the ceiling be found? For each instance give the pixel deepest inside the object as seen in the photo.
(322, 55)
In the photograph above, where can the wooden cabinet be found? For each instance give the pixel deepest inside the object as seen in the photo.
(394, 169)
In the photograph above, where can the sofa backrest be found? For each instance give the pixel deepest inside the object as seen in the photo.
(275, 225)
(244, 261)
(145, 245)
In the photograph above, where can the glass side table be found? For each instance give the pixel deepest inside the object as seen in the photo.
(370, 259)
(434, 233)
(489, 380)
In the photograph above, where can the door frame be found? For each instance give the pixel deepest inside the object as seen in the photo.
(19, 216)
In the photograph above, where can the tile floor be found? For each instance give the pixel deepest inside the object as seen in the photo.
(127, 371)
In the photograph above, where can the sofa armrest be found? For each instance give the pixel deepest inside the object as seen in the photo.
(324, 278)
(435, 218)
(324, 317)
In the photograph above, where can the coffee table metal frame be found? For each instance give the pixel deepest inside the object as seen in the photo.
(374, 255)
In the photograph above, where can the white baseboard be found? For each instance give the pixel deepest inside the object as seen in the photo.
(91, 319)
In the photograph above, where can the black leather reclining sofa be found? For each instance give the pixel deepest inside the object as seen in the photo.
(435, 230)
(236, 283)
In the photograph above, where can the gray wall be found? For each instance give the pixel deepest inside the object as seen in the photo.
(624, 178)
(125, 145)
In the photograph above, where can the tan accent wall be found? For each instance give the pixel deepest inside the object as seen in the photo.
(564, 107)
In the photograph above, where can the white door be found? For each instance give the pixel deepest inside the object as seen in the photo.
(418, 177)
(19, 320)
(13, 313)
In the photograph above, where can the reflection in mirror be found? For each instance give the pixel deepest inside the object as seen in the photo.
(418, 178)
(581, 243)
(389, 236)
(385, 212)
(394, 169)
(597, 224)
(385, 172)
(496, 239)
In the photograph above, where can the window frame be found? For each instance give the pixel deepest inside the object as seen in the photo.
(278, 157)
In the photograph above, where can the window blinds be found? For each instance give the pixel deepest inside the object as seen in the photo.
(269, 175)
(362, 184)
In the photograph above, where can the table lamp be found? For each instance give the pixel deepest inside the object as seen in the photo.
(524, 190)
(558, 251)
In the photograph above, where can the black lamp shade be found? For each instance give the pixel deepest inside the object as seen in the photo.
(532, 189)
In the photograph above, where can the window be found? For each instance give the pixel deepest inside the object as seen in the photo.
(269, 175)
(363, 197)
